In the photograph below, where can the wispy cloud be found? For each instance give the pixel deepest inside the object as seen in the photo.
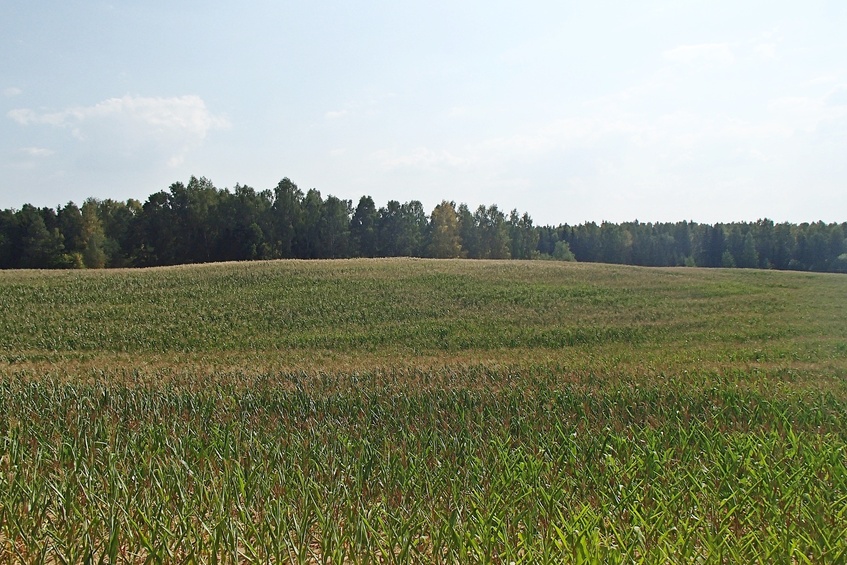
(12, 91)
(36, 151)
(133, 124)
(837, 97)
(184, 113)
(419, 158)
(766, 50)
(335, 114)
(806, 113)
(703, 53)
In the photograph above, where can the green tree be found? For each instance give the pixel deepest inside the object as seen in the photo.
(41, 248)
(415, 224)
(401, 229)
(783, 245)
(710, 245)
(682, 237)
(523, 236)
(9, 239)
(562, 252)
(118, 219)
(741, 246)
(493, 233)
(749, 257)
(70, 224)
(156, 232)
(585, 242)
(364, 228)
(444, 239)
(307, 243)
(335, 227)
(813, 247)
(764, 241)
(615, 244)
(469, 232)
(93, 255)
(288, 217)
(390, 228)
(243, 218)
(193, 206)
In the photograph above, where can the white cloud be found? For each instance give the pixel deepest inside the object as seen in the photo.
(703, 53)
(826, 79)
(37, 151)
(766, 50)
(335, 114)
(458, 112)
(803, 113)
(163, 129)
(765, 44)
(12, 91)
(419, 158)
(837, 97)
(183, 113)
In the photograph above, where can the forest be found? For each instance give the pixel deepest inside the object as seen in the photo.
(200, 223)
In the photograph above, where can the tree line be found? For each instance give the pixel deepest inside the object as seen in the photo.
(198, 223)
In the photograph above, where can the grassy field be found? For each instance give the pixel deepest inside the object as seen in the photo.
(423, 411)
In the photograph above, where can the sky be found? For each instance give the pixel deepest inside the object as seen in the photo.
(711, 111)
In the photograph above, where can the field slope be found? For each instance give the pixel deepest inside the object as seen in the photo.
(406, 410)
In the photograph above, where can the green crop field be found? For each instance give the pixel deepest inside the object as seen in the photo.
(423, 411)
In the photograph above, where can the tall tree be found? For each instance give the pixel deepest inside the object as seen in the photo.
(364, 228)
(70, 224)
(682, 243)
(335, 227)
(469, 231)
(783, 246)
(9, 239)
(401, 229)
(193, 207)
(156, 232)
(287, 219)
(444, 240)
(118, 219)
(615, 243)
(585, 242)
(524, 238)
(414, 222)
(41, 248)
(710, 246)
(93, 236)
(493, 233)
(243, 218)
(748, 258)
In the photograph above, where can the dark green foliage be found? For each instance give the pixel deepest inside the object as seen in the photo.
(524, 237)
(40, 245)
(364, 228)
(401, 229)
(493, 233)
(199, 223)
(287, 220)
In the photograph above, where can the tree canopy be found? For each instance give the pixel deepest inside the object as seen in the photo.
(197, 222)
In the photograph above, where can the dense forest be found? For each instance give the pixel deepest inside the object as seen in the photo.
(197, 223)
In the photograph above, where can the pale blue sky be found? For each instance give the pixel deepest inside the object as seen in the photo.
(571, 111)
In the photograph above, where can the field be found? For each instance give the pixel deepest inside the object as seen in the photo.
(423, 411)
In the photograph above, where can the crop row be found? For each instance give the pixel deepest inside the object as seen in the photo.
(318, 472)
